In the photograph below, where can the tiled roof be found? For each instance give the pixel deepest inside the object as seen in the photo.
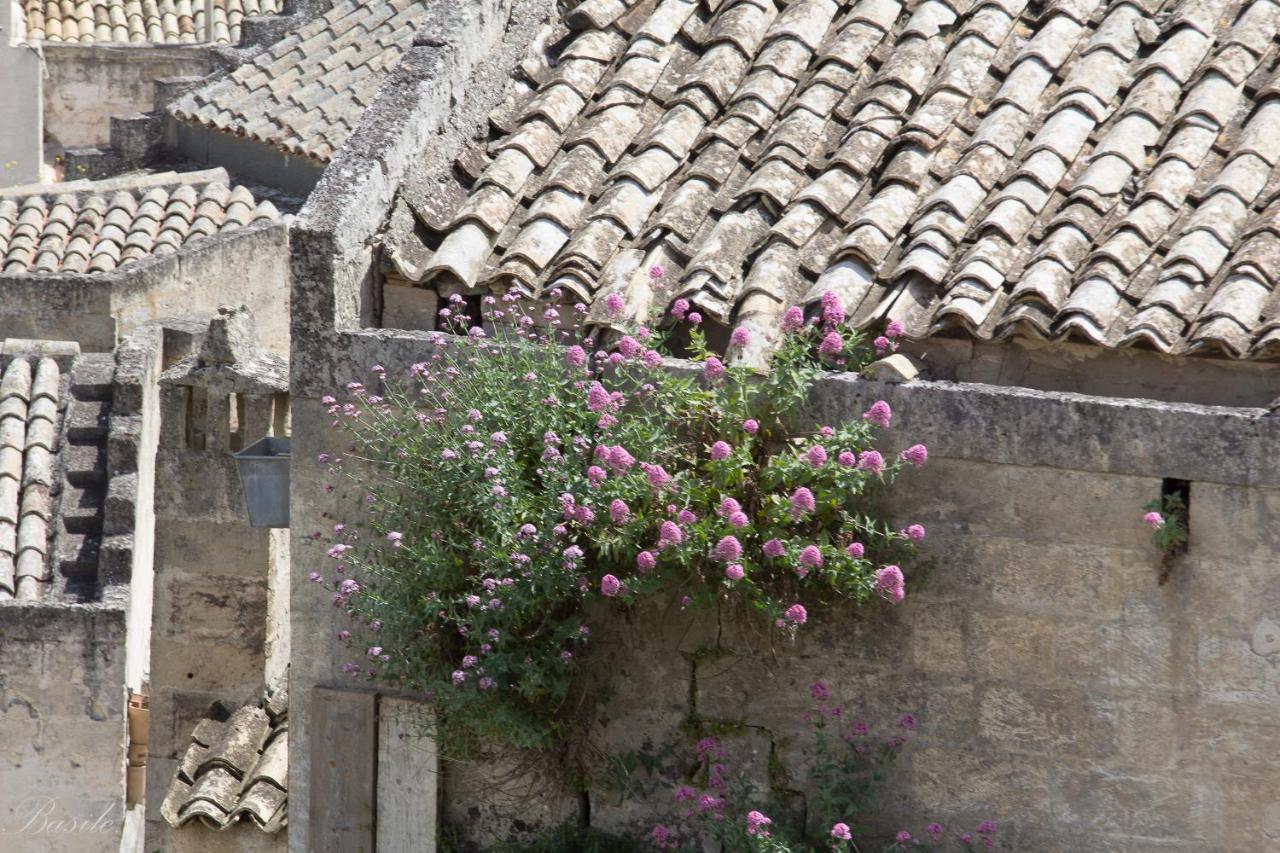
(29, 421)
(305, 94)
(139, 21)
(991, 167)
(87, 228)
(236, 769)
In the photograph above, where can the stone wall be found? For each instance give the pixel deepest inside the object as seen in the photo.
(62, 728)
(88, 84)
(1061, 689)
(213, 621)
(249, 265)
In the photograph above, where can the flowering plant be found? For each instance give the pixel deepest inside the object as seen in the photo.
(846, 759)
(513, 477)
(1167, 518)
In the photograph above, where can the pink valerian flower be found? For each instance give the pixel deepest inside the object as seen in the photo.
(576, 356)
(645, 561)
(596, 475)
(620, 459)
(728, 549)
(882, 344)
(486, 683)
(658, 477)
(832, 344)
(855, 550)
(802, 503)
(348, 588)
(469, 661)
(458, 677)
(680, 308)
(734, 572)
(395, 538)
(793, 319)
(738, 519)
(934, 830)
(597, 398)
(916, 454)
(903, 837)
(728, 507)
(889, 581)
(817, 456)
(841, 832)
(651, 358)
(610, 586)
(686, 516)
(720, 451)
(908, 722)
(879, 414)
(847, 458)
(657, 272)
(750, 426)
(986, 827)
(774, 548)
(695, 318)
(669, 534)
(966, 838)
(629, 346)
(741, 337)
(1154, 520)
(811, 556)
(619, 512)
(819, 691)
(584, 514)
(614, 304)
(710, 802)
(315, 577)
(894, 329)
(684, 793)
(915, 532)
(871, 460)
(757, 823)
(713, 368)
(832, 310)
(797, 614)
(663, 838)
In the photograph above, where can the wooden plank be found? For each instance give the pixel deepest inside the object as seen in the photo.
(344, 743)
(408, 772)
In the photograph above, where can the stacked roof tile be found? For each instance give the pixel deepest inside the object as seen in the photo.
(1054, 168)
(97, 228)
(306, 93)
(139, 21)
(29, 419)
(235, 770)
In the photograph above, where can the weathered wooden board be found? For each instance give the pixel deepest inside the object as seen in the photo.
(408, 773)
(344, 744)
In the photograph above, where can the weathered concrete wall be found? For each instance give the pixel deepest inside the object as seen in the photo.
(88, 84)
(21, 151)
(249, 265)
(250, 159)
(62, 729)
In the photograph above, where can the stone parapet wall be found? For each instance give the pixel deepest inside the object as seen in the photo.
(62, 728)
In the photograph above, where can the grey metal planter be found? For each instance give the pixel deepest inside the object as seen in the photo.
(264, 474)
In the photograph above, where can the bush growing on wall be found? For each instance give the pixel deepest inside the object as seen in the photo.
(513, 476)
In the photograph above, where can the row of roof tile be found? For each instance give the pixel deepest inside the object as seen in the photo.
(1103, 170)
(139, 21)
(90, 232)
(305, 94)
(29, 417)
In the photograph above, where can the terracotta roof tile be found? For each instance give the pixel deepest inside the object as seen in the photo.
(1070, 168)
(235, 769)
(306, 93)
(98, 227)
(29, 416)
(139, 21)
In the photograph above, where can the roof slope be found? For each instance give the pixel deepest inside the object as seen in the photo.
(88, 228)
(305, 94)
(139, 21)
(235, 769)
(1060, 168)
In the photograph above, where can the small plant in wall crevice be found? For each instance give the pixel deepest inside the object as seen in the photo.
(1167, 517)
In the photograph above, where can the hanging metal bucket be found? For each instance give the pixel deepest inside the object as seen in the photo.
(264, 474)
